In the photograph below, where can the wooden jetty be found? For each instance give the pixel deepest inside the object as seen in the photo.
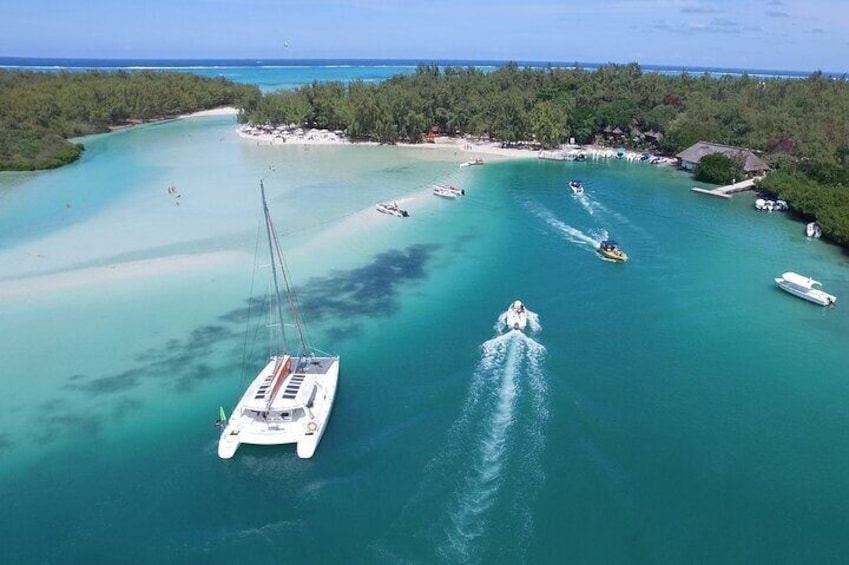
(728, 190)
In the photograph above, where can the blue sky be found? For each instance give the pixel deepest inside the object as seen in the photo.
(754, 34)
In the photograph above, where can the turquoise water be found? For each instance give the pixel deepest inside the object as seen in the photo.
(677, 408)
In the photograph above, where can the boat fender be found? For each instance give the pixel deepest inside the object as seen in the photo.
(312, 426)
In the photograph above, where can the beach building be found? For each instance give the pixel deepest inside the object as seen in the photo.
(752, 164)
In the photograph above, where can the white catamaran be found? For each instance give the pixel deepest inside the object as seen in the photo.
(290, 399)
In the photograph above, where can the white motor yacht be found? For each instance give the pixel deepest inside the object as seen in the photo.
(803, 287)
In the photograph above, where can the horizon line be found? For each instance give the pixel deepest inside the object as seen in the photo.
(418, 61)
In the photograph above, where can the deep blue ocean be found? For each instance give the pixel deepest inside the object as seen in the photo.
(273, 74)
(678, 408)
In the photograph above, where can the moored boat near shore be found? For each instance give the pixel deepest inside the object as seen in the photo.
(813, 230)
(392, 209)
(771, 205)
(445, 192)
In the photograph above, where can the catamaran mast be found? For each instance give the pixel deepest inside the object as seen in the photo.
(274, 244)
(268, 232)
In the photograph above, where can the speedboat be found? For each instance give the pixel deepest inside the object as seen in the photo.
(576, 186)
(290, 399)
(813, 230)
(445, 192)
(516, 316)
(450, 188)
(477, 161)
(392, 209)
(803, 287)
(610, 249)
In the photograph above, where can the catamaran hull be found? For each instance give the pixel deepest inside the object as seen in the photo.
(309, 442)
(306, 432)
(228, 444)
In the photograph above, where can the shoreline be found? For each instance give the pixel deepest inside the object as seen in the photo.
(222, 111)
(469, 148)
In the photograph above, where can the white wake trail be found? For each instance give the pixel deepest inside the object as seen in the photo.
(481, 486)
(587, 203)
(589, 241)
(505, 439)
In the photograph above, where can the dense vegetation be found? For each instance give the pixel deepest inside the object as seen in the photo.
(717, 168)
(40, 111)
(801, 126)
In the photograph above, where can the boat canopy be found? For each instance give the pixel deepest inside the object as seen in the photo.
(609, 244)
(800, 280)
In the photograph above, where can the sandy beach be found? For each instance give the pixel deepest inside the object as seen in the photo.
(466, 149)
(224, 111)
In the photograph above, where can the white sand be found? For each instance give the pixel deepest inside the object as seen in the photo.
(466, 149)
(111, 274)
(225, 111)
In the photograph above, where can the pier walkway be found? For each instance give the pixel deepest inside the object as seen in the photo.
(729, 189)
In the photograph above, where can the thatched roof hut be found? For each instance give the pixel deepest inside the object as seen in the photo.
(752, 164)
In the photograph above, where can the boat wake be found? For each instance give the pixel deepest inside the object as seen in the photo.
(501, 430)
(488, 473)
(598, 210)
(587, 203)
(587, 240)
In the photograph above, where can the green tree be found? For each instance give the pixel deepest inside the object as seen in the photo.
(717, 168)
(549, 122)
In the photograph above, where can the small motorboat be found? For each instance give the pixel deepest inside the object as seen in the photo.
(610, 250)
(803, 287)
(576, 186)
(813, 230)
(445, 192)
(392, 209)
(477, 161)
(516, 316)
(771, 205)
(450, 188)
